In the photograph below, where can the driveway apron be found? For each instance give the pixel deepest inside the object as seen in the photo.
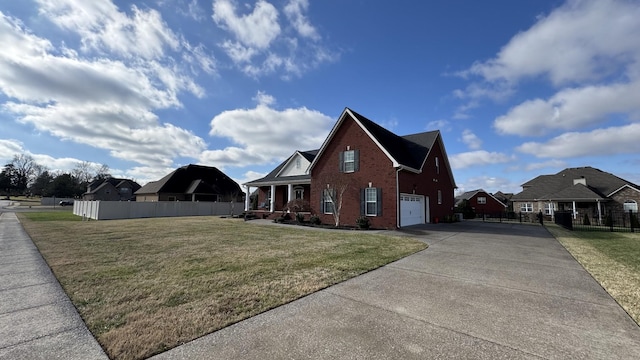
(481, 291)
(37, 319)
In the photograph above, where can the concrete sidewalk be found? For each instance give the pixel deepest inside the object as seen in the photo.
(37, 319)
(481, 291)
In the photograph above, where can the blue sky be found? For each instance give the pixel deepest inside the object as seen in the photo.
(518, 88)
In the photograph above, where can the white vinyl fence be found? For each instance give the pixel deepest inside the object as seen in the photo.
(109, 210)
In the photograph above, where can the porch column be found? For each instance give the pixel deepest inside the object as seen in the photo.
(599, 213)
(247, 201)
(272, 201)
(290, 190)
(574, 210)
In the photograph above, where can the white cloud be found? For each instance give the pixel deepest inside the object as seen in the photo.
(571, 109)
(294, 11)
(259, 45)
(587, 49)
(471, 140)
(583, 40)
(102, 26)
(489, 184)
(442, 125)
(553, 163)
(599, 142)
(249, 176)
(257, 29)
(112, 106)
(9, 148)
(477, 158)
(264, 135)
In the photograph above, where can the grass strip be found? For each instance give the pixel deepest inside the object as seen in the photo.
(144, 286)
(611, 258)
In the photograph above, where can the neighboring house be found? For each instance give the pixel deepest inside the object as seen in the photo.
(289, 180)
(393, 180)
(505, 198)
(582, 190)
(482, 202)
(111, 189)
(191, 183)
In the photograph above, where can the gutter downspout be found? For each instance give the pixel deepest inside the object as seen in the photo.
(398, 215)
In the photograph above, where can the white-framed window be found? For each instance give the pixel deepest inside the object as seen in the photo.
(439, 196)
(327, 203)
(482, 200)
(526, 207)
(630, 205)
(371, 201)
(349, 161)
(298, 163)
(549, 208)
(298, 192)
(437, 165)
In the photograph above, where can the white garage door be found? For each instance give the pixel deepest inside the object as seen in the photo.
(411, 209)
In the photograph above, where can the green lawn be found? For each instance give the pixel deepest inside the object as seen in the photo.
(146, 285)
(612, 258)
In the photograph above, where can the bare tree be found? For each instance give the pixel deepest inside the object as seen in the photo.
(83, 172)
(103, 172)
(24, 170)
(335, 186)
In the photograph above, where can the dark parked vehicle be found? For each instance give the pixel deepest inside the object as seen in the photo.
(65, 203)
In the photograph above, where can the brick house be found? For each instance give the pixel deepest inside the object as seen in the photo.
(393, 180)
(582, 190)
(482, 202)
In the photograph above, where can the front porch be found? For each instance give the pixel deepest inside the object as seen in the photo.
(279, 198)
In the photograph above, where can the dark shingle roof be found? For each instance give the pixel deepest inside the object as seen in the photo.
(192, 178)
(560, 186)
(410, 150)
(116, 182)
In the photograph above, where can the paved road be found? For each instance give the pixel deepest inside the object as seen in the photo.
(481, 291)
(37, 319)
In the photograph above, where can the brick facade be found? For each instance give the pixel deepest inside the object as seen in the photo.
(626, 194)
(374, 167)
(376, 170)
(432, 179)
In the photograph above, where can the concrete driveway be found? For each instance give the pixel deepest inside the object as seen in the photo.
(479, 291)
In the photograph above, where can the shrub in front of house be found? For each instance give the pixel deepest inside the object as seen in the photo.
(586, 220)
(315, 220)
(363, 222)
(299, 217)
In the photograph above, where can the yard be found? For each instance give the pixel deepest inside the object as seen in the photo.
(612, 258)
(144, 286)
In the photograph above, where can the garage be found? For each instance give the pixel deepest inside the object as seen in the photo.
(412, 208)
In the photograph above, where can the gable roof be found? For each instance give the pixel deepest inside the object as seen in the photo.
(407, 152)
(191, 179)
(96, 185)
(560, 186)
(470, 194)
(273, 177)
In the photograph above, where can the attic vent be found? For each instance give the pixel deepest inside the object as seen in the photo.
(582, 181)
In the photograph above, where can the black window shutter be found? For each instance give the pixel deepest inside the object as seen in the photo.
(356, 160)
(322, 202)
(341, 161)
(363, 201)
(379, 202)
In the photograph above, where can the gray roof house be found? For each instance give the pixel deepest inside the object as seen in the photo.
(191, 183)
(583, 190)
(111, 189)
